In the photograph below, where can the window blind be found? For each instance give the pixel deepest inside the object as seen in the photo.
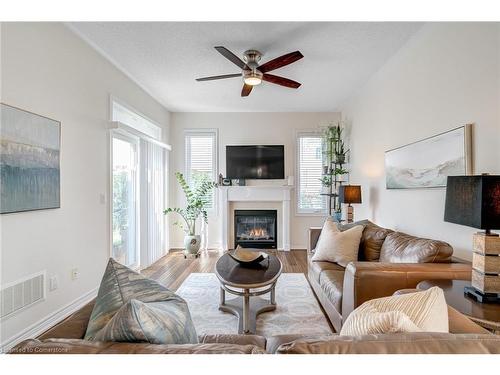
(310, 165)
(153, 169)
(201, 160)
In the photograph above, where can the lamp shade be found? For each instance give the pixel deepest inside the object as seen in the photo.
(473, 201)
(350, 193)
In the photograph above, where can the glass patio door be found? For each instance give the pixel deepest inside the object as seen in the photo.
(125, 199)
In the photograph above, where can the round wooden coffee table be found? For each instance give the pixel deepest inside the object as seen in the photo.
(246, 282)
(487, 315)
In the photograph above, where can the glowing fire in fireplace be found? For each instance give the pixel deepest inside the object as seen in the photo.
(258, 233)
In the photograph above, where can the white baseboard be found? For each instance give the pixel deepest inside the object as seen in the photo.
(47, 322)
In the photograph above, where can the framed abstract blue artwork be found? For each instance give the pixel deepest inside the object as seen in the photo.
(29, 161)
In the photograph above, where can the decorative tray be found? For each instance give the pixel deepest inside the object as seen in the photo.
(247, 256)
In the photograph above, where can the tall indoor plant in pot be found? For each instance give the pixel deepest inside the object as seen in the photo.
(197, 199)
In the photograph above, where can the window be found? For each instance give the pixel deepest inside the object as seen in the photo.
(139, 167)
(309, 170)
(124, 203)
(201, 159)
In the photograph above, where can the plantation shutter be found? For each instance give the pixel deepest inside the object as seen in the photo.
(201, 159)
(310, 165)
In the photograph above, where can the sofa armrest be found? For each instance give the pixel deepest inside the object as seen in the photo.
(312, 238)
(364, 281)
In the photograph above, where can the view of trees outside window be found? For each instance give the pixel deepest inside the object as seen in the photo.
(124, 201)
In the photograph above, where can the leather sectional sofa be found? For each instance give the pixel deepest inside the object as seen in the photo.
(388, 261)
(465, 337)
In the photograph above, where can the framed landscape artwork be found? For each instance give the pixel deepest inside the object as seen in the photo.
(428, 163)
(29, 161)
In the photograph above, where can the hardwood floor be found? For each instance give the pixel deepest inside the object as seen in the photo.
(172, 269)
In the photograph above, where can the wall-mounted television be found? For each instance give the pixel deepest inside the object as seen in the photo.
(255, 162)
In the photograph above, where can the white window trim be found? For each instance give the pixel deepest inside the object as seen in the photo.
(121, 127)
(114, 99)
(209, 131)
(299, 211)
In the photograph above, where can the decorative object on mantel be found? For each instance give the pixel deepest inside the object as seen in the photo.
(350, 194)
(427, 163)
(197, 199)
(475, 201)
(335, 155)
(239, 182)
(29, 161)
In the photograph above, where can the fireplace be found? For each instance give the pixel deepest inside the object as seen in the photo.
(255, 228)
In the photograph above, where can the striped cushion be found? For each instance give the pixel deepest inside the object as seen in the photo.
(120, 286)
(414, 312)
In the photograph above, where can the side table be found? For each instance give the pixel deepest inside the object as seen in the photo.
(487, 315)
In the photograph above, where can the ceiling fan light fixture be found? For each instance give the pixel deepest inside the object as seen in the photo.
(253, 73)
(253, 81)
(252, 78)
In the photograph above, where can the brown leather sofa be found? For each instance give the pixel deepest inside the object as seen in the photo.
(465, 337)
(387, 261)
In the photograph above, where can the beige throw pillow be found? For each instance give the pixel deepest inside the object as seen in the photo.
(413, 312)
(336, 246)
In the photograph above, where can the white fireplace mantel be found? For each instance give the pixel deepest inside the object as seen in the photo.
(255, 194)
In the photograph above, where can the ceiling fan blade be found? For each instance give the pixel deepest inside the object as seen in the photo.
(278, 62)
(246, 90)
(231, 57)
(281, 81)
(219, 77)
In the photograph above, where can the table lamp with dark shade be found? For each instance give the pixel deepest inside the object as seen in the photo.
(474, 201)
(350, 194)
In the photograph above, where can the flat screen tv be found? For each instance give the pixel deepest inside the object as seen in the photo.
(255, 162)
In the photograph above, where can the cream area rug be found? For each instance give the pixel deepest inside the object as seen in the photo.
(297, 309)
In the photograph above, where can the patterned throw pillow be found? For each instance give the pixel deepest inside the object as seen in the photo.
(413, 312)
(161, 322)
(127, 294)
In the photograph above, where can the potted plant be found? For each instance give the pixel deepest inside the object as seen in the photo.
(340, 153)
(326, 182)
(197, 199)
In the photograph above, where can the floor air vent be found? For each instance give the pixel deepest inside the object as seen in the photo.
(22, 293)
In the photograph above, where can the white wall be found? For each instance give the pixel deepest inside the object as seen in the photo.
(446, 76)
(245, 128)
(48, 70)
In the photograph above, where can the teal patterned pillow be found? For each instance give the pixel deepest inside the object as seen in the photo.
(161, 322)
(128, 291)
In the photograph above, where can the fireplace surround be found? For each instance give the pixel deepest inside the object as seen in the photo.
(256, 228)
(261, 195)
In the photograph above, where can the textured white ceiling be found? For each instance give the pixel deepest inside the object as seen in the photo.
(166, 57)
